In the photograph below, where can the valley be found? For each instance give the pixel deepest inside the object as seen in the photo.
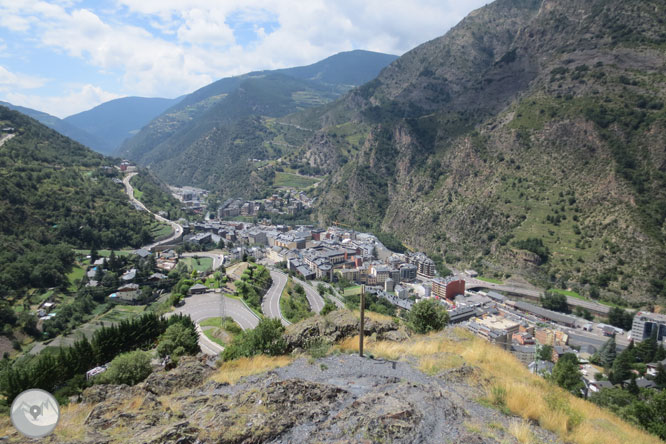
(465, 242)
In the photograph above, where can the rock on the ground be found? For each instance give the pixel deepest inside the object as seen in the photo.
(190, 372)
(338, 325)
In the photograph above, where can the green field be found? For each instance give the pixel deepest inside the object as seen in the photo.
(72, 276)
(573, 294)
(491, 280)
(122, 312)
(198, 264)
(160, 231)
(230, 328)
(293, 180)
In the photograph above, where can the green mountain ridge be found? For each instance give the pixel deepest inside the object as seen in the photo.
(204, 138)
(116, 120)
(56, 194)
(63, 127)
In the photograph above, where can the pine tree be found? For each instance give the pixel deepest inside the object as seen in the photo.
(660, 355)
(633, 387)
(646, 350)
(608, 353)
(622, 367)
(567, 375)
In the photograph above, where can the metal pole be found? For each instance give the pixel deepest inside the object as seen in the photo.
(360, 343)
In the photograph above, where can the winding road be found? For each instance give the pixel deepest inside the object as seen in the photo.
(271, 303)
(212, 305)
(177, 229)
(314, 298)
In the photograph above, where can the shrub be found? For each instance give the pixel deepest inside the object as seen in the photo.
(178, 340)
(266, 338)
(428, 315)
(128, 368)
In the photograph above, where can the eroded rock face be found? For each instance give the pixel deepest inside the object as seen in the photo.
(190, 372)
(338, 325)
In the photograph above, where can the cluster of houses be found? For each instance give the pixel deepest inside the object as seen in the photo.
(192, 198)
(288, 203)
(522, 329)
(129, 289)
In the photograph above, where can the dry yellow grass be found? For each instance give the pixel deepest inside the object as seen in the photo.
(373, 316)
(232, 371)
(524, 394)
(521, 431)
(71, 425)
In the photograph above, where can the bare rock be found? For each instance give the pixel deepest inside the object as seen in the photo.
(190, 372)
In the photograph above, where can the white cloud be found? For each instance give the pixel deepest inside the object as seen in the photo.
(11, 81)
(185, 45)
(73, 101)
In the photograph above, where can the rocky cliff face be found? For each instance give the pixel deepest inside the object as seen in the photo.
(529, 120)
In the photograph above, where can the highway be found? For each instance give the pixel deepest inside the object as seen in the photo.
(218, 257)
(314, 298)
(177, 229)
(211, 305)
(271, 303)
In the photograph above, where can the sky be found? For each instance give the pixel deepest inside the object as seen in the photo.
(66, 56)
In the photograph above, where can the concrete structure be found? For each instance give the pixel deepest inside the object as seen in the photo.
(448, 288)
(645, 323)
(425, 267)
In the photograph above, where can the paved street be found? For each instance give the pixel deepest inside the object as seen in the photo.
(177, 229)
(471, 283)
(211, 305)
(271, 304)
(314, 298)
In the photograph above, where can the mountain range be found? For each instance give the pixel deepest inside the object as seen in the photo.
(104, 127)
(527, 140)
(212, 134)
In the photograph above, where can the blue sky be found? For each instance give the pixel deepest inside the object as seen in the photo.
(66, 56)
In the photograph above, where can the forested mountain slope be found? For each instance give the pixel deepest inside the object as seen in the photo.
(63, 127)
(55, 194)
(116, 120)
(215, 132)
(530, 138)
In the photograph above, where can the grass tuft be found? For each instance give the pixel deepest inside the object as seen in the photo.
(232, 371)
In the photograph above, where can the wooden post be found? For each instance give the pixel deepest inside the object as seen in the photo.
(360, 343)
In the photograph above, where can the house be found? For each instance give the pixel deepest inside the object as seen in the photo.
(156, 277)
(128, 292)
(197, 289)
(129, 275)
(596, 386)
(92, 283)
(641, 383)
(652, 367)
(142, 253)
(541, 367)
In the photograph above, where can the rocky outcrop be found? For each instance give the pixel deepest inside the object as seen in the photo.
(189, 373)
(338, 325)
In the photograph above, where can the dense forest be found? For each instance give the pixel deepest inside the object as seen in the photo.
(56, 194)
